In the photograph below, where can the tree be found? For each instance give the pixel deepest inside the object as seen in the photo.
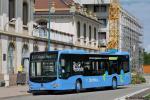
(146, 58)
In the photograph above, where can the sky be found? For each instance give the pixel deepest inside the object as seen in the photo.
(140, 9)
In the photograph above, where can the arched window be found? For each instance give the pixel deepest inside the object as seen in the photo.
(25, 13)
(11, 9)
(95, 33)
(84, 30)
(11, 58)
(78, 30)
(25, 55)
(90, 33)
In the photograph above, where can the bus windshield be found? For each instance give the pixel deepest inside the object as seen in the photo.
(43, 66)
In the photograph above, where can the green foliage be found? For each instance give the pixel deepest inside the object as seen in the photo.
(147, 97)
(138, 79)
(146, 58)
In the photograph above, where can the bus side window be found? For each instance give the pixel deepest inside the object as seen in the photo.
(107, 66)
(113, 67)
(125, 66)
(104, 66)
(86, 68)
(94, 68)
(119, 67)
(101, 69)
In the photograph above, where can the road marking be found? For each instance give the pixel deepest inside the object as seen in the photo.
(131, 94)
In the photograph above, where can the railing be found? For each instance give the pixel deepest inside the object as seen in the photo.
(87, 44)
(55, 35)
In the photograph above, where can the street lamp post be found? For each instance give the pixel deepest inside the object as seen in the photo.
(49, 28)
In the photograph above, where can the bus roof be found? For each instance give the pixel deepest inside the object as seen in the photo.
(72, 51)
(69, 51)
(114, 52)
(109, 52)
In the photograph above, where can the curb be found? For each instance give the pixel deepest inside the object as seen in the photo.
(131, 94)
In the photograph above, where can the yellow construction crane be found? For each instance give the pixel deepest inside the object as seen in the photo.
(114, 19)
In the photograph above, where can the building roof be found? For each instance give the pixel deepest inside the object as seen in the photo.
(58, 4)
(62, 7)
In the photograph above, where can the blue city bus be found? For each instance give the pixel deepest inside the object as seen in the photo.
(77, 70)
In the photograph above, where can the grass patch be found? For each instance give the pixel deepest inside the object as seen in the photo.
(147, 97)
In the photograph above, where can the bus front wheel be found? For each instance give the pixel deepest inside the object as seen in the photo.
(114, 83)
(78, 86)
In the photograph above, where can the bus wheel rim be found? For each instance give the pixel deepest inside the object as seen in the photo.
(78, 86)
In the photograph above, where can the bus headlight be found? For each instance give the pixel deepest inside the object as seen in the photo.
(55, 85)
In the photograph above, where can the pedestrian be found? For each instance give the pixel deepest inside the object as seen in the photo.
(19, 74)
(20, 69)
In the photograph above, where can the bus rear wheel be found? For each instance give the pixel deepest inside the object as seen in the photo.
(78, 86)
(114, 83)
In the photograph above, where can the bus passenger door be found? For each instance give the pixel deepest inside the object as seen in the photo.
(65, 71)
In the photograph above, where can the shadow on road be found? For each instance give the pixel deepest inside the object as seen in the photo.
(73, 92)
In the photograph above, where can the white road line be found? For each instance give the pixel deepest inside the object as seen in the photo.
(131, 94)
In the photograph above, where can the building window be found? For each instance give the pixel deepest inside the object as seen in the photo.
(25, 13)
(96, 8)
(78, 30)
(103, 8)
(11, 58)
(95, 33)
(11, 9)
(90, 31)
(84, 30)
(25, 55)
(102, 35)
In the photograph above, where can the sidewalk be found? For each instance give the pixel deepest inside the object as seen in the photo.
(13, 91)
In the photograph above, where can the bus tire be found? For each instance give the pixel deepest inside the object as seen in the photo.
(78, 86)
(35, 93)
(114, 83)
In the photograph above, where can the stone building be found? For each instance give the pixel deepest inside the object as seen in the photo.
(16, 41)
(70, 17)
(18, 37)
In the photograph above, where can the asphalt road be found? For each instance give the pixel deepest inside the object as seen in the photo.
(98, 94)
